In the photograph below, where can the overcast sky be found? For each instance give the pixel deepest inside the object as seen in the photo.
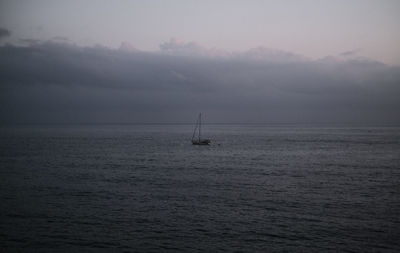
(165, 61)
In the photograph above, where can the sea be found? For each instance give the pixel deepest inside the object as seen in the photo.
(146, 188)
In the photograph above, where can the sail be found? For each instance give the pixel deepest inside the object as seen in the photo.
(196, 128)
(197, 140)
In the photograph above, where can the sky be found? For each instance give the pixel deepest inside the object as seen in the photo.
(314, 28)
(328, 62)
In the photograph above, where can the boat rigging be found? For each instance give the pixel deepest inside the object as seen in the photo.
(196, 139)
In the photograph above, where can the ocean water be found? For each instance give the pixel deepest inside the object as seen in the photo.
(145, 188)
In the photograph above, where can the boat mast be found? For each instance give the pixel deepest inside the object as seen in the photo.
(195, 129)
(199, 127)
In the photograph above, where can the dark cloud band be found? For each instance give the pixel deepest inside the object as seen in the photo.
(60, 82)
(4, 32)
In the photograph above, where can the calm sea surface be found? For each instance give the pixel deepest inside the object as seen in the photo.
(146, 188)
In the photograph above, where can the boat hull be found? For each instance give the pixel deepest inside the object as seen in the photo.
(201, 142)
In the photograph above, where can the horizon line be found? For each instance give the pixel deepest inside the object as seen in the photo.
(210, 123)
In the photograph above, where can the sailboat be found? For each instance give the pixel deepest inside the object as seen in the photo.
(196, 138)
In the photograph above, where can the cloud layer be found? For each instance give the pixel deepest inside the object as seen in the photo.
(4, 32)
(53, 82)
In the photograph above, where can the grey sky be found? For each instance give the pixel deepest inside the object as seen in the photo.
(55, 82)
(164, 61)
(314, 28)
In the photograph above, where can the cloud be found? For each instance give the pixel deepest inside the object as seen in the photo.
(60, 39)
(62, 82)
(29, 42)
(177, 47)
(127, 46)
(193, 49)
(4, 33)
(272, 55)
(350, 53)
